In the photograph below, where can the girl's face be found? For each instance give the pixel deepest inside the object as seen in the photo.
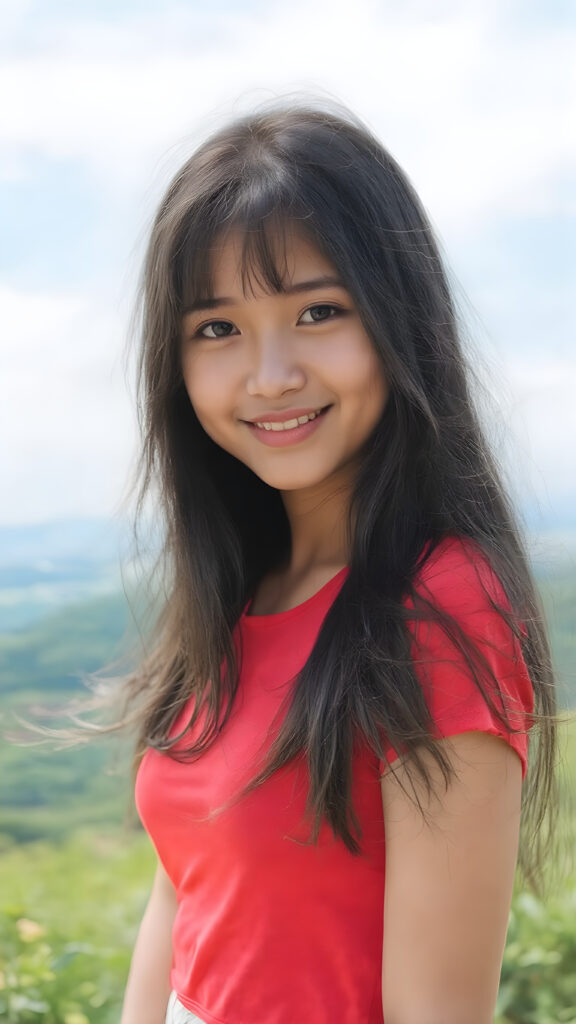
(246, 358)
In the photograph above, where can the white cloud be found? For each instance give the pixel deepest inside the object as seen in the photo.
(65, 412)
(480, 120)
(536, 397)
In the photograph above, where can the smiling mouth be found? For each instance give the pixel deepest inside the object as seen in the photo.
(288, 436)
(275, 424)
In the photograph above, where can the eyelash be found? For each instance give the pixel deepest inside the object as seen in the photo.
(337, 310)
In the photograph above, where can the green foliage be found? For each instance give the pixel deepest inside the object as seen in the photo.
(538, 980)
(68, 921)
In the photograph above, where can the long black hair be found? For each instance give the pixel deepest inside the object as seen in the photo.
(426, 474)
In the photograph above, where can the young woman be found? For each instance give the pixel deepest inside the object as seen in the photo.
(335, 707)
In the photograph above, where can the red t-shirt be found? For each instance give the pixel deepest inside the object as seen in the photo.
(269, 930)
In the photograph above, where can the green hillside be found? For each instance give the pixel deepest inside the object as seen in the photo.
(558, 592)
(46, 792)
(49, 655)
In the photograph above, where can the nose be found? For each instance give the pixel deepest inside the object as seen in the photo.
(274, 366)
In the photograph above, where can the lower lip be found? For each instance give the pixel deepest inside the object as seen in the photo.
(283, 438)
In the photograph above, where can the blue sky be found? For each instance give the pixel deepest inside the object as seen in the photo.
(475, 99)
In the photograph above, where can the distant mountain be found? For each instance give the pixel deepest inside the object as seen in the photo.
(94, 540)
(47, 565)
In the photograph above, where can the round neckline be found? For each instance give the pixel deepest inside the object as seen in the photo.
(271, 618)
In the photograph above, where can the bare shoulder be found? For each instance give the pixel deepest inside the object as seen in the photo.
(449, 883)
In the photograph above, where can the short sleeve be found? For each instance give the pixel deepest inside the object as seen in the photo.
(458, 580)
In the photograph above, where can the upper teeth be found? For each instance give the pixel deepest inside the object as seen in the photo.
(290, 424)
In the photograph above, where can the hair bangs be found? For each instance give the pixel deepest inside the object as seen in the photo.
(264, 214)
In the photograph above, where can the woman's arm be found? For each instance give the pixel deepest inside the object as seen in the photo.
(449, 886)
(148, 986)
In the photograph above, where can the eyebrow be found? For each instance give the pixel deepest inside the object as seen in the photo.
(301, 286)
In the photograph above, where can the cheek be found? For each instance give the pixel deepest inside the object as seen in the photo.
(202, 388)
(208, 398)
(362, 373)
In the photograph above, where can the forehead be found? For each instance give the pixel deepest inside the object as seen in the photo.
(243, 263)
